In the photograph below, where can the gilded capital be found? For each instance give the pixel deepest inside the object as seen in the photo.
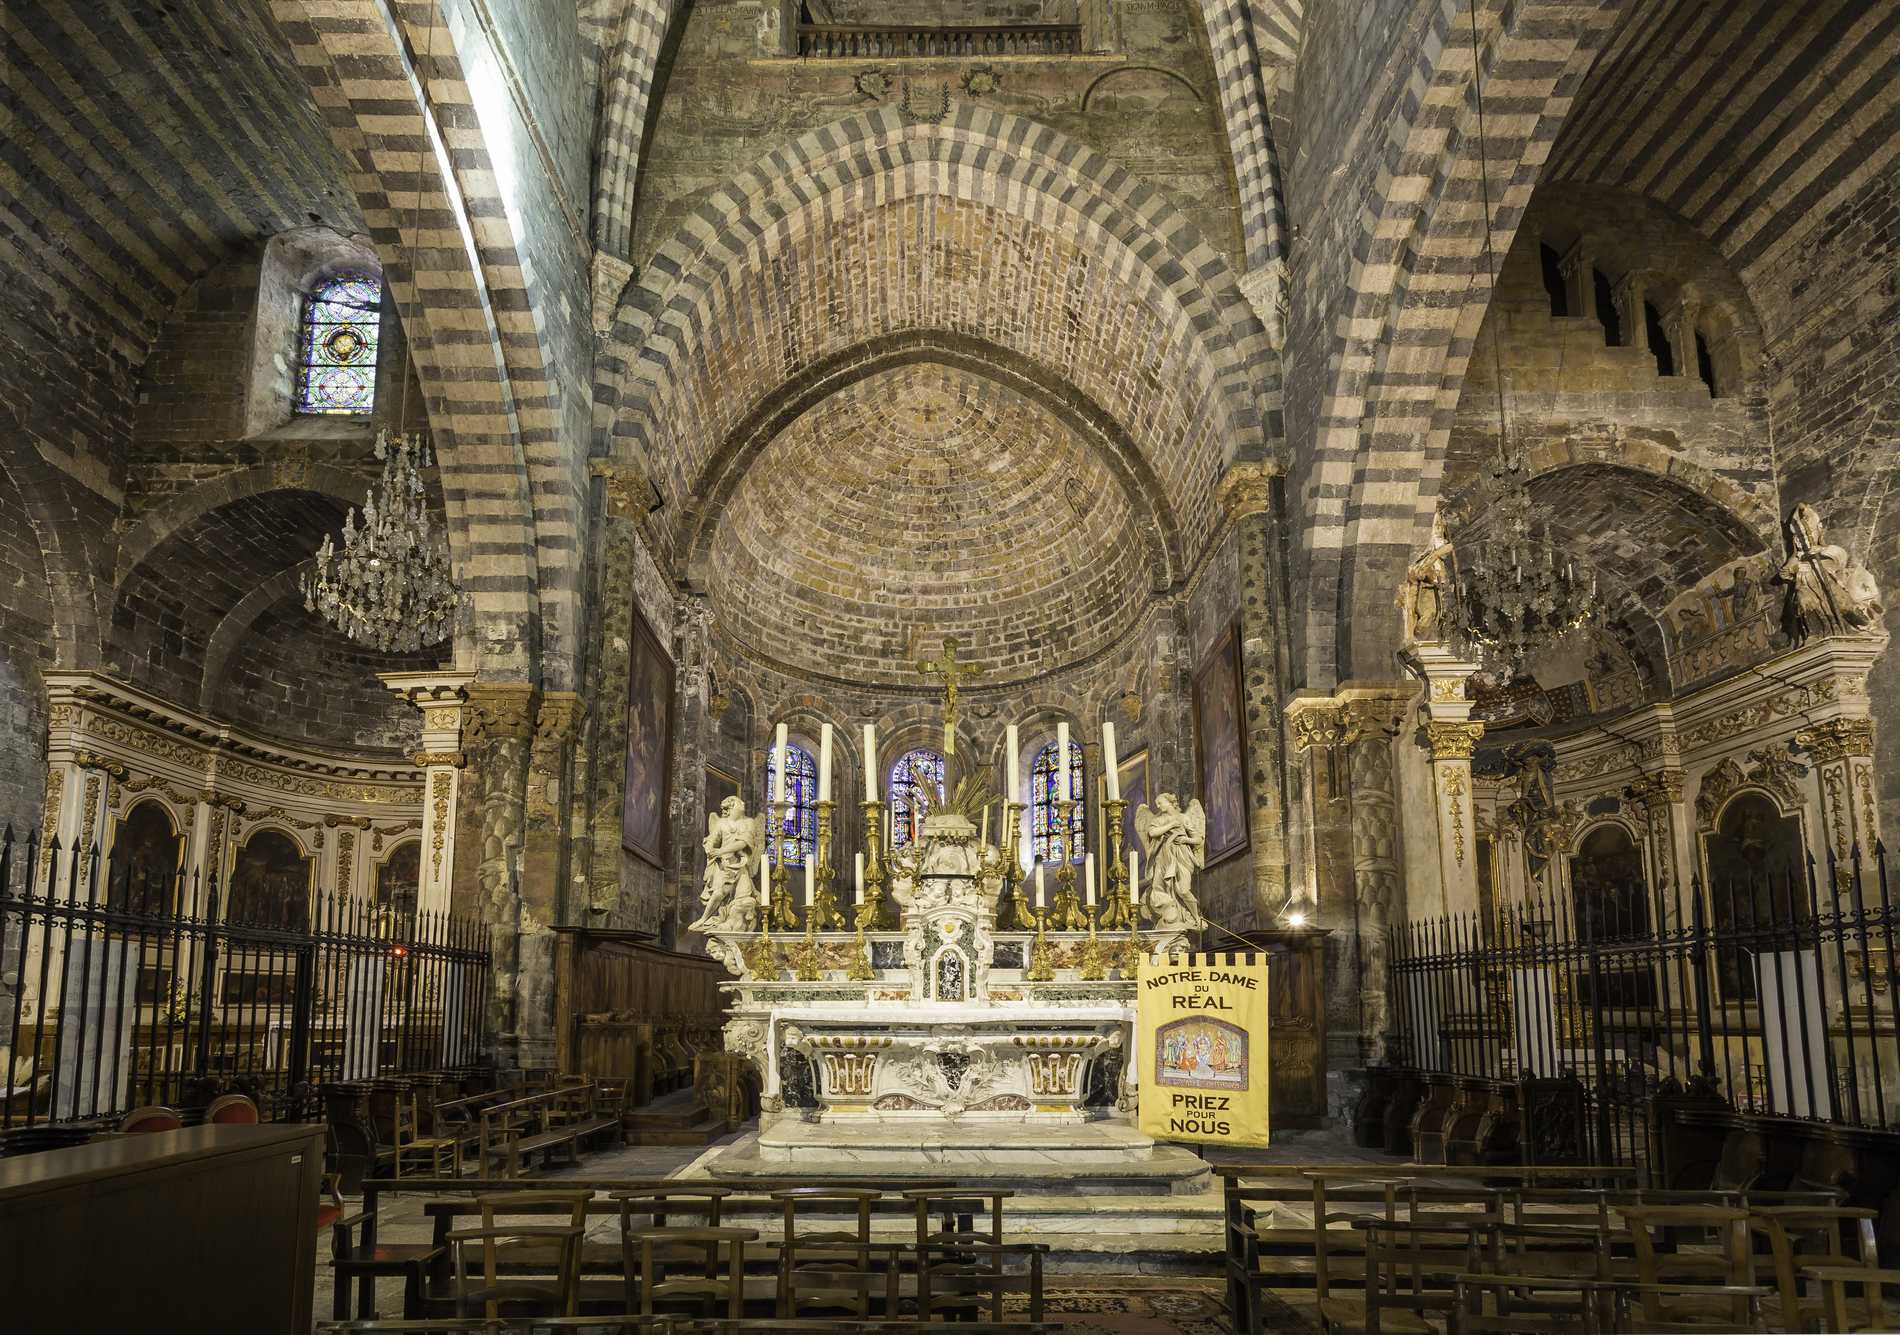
(435, 759)
(1662, 788)
(1453, 741)
(1837, 739)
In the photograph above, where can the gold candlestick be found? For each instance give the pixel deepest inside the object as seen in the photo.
(779, 910)
(761, 955)
(1041, 968)
(872, 909)
(1118, 912)
(1068, 906)
(860, 970)
(823, 910)
(1013, 864)
(1093, 964)
(804, 957)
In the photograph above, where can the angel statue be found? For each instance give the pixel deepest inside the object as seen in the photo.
(1176, 844)
(731, 895)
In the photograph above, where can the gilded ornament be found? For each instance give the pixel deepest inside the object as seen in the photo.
(443, 786)
(49, 819)
(345, 861)
(1453, 741)
(1318, 723)
(1453, 782)
(1837, 739)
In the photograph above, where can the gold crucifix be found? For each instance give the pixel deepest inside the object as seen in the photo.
(952, 672)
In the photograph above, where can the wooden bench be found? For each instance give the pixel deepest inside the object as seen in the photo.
(558, 1119)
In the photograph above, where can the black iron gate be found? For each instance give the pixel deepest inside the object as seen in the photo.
(121, 988)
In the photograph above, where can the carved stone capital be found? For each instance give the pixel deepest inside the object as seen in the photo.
(629, 492)
(1316, 723)
(499, 709)
(1247, 488)
(1452, 741)
(93, 760)
(554, 720)
(610, 275)
(1837, 739)
(434, 759)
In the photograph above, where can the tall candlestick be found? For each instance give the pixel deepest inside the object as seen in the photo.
(1108, 763)
(1062, 763)
(860, 876)
(1011, 747)
(1039, 886)
(870, 762)
(778, 762)
(1088, 879)
(824, 763)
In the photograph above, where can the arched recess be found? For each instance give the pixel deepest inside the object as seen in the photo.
(512, 485)
(1649, 535)
(1192, 357)
(1160, 529)
(1417, 289)
(159, 523)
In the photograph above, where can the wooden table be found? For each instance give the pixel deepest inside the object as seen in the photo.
(202, 1229)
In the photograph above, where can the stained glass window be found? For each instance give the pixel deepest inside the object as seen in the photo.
(1043, 795)
(336, 353)
(916, 791)
(798, 838)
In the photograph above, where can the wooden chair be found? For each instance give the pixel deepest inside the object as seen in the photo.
(658, 1254)
(661, 1202)
(617, 1323)
(153, 1118)
(362, 1262)
(1532, 1305)
(942, 1269)
(503, 1248)
(1339, 1310)
(231, 1110)
(1412, 1267)
(959, 1287)
(826, 1267)
(1841, 1311)
(412, 1146)
(1692, 1289)
(1802, 1237)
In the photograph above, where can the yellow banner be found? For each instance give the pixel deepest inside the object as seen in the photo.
(1201, 1044)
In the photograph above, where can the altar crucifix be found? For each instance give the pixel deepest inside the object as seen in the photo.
(945, 666)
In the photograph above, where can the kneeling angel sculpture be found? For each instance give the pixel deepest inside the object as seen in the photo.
(1176, 844)
(731, 894)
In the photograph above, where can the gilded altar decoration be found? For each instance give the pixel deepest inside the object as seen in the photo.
(952, 675)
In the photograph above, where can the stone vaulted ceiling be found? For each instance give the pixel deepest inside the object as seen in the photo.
(928, 500)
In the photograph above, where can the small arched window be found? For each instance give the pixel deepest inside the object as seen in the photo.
(336, 346)
(1044, 793)
(916, 791)
(798, 836)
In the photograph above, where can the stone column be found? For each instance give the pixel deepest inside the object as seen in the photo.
(1372, 717)
(1246, 491)
(442, 699)
(541, 880)
(1580, 284)
(1658, 795)
(490, 824)
(1631, 293)
(1451, 737)
(1679, 325)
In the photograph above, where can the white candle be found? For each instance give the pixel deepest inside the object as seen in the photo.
(1062, 763)
(778, 763)
(824, 763)
(1108, 763)
(1088, 879)
(765, 871)
(1011, 746)
(1038, 885)
(811, 881)
(983, 839)
(860, 876)
(870, 762)
(1134, 874)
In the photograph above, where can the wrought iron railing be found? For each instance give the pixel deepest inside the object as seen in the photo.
(1776, 994)
(121, 988)
(858, 41)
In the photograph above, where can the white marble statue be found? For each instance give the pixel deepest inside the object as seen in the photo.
(731, 894)
(1829, 592)
(1176, 845)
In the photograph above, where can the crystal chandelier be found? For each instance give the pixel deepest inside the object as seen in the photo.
(1517, 594)
(389, 587)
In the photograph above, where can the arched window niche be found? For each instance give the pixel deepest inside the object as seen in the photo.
(337, 341)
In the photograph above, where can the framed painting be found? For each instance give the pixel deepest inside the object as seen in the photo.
(643, 806)
(1132, 771)
(1220, 747)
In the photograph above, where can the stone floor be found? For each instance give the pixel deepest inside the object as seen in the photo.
(1105, 1278)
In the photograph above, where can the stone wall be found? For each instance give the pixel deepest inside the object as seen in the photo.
(296, 679)
(26, 647)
